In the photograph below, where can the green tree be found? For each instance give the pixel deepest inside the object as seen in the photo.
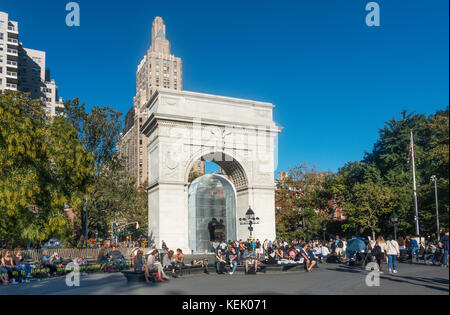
(303, 203)
(43, 166)
(366, 204)
(99, 131)
(387, 166)
(116, 198)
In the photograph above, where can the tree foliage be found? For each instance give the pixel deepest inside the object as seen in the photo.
(43, 166)
(301, 201)
(385, 170)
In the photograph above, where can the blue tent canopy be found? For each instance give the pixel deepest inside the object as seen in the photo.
(356, 245)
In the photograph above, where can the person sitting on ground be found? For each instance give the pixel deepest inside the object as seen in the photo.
(169, 262)
(116, 256)
(250, 259)
(220, 262)
(47, 262)
(139, 265)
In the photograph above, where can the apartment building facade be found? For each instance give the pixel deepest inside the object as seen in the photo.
(24, 69)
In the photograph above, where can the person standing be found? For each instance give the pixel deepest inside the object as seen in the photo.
(259, 249)
(265, 247)
(339, 246)
(393, 252)
(444, 245)
(379, 250)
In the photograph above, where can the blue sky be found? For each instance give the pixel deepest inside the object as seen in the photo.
(334, 80)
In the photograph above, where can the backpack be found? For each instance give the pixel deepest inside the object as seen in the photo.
(377, 250)
(112, 269)
(340, 244)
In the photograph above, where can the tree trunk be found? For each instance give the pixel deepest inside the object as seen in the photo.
(373, 234)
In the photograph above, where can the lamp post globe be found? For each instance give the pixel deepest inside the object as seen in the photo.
(250, 214)
(395, 222)
(249, 219)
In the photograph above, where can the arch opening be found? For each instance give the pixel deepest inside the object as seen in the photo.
(212, 212)
(229, 167)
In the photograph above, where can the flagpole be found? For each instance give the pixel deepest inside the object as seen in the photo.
(415, 187)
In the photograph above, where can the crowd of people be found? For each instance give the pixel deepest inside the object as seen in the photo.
(16, 268)
(152, 262)
(252, 254)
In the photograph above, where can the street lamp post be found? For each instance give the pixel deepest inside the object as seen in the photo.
(438, 230)
(250, 219)
(86, 223)
(394, 220)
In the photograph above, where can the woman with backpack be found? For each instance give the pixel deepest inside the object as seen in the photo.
(393, 252)
(378, 251)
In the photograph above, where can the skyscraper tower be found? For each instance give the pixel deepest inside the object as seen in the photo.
(158, 69)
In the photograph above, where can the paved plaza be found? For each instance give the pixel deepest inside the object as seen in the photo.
(328, 279)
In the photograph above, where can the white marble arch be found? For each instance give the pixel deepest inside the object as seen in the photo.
(238, 135)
